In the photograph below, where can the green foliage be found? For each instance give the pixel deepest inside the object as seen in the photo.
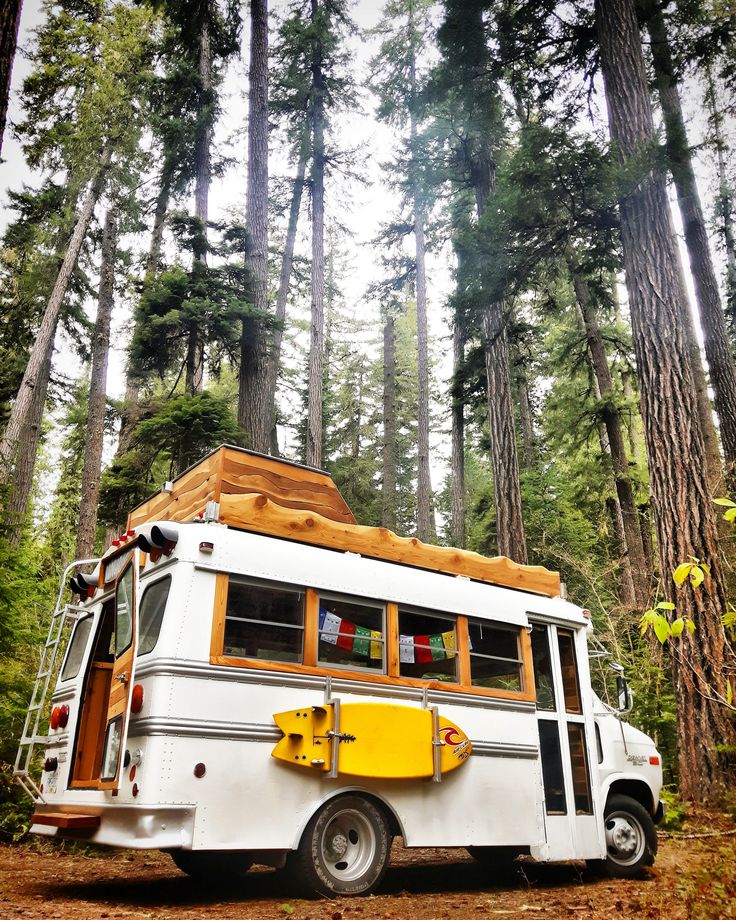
(675, 810)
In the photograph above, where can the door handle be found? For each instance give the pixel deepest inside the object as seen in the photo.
(122, 677)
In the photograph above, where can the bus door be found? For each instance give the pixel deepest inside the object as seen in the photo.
(569, 808)
(106, 705)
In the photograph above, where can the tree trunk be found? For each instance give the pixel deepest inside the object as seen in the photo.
(725, 197)
(97, 392)
(425, 523)
(129, 415)
(314, 400)
(634, 547)
(457, 463)
(287, 261)
(255, 415)
(22, 480)
(388, 494)
(9, 26)
(20, 413)
(715, 333)
(526, 420)
(194, 380)
(683, 513)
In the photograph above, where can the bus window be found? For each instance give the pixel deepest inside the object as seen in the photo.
(543, 669)
(552, 775)
(351, 634)
(264, 622)
(77, 647)
(153, 604)
(427, 646)
(579, 761)
(495, 656)
(570, 685)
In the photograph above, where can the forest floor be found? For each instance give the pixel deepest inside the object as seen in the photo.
(694, 878)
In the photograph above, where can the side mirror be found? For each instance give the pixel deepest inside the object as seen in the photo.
(624, 694)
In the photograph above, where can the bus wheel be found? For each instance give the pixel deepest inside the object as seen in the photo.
(203, 865)
(344, 849)
(631, 838)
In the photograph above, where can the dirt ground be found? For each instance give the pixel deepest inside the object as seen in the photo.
(694, 878)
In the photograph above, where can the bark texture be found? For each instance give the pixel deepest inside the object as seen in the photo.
(457, 462)
(632, 542)
(255, 416)
(388, 493)
(20, 413)
(314, 398)
(9, 24)
(715, 334)
(97, 393)
(683, 514)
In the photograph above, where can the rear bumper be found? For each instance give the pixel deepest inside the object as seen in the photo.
(137, 827)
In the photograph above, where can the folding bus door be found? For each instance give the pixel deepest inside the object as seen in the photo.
(570, 822)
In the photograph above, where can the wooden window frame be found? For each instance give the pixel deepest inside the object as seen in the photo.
(391, 678)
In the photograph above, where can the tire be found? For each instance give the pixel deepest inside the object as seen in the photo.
(344, 849)
(228, 865)
(631, 839)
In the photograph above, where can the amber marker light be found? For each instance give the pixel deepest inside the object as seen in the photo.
(654, 760)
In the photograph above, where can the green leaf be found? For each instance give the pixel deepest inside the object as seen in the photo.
(662, 629)
(729, 618)
(665, 605)
(697, 576)
(287, 909)
(730, 515)
(729, 693)
(690, 625)
(726, 502)
(678, 626)
(681, 572)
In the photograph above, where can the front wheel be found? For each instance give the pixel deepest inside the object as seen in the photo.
(631, 838)
(344, 849)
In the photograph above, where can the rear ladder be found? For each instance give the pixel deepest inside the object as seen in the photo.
(49, 654)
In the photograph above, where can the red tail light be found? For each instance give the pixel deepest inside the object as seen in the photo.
(136, 698)
(55, 716)
(64, 716)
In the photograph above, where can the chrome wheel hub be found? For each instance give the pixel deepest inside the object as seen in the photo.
(348, 846)
(624, 838)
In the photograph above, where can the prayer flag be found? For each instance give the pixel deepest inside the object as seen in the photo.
(345, 638)
(449, 641)
(437, 648)
(406, 649)
(362, 641)
(376, 644)
(422, 651)
(330, 627)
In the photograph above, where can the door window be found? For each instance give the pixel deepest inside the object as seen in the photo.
(543, 669)
(124, 612)
(569, 665)
(552, 773)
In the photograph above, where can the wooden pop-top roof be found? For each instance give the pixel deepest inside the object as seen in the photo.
(278, 498)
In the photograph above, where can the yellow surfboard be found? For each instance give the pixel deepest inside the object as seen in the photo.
(379, 740)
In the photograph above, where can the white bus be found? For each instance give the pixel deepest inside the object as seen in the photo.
(256, 682)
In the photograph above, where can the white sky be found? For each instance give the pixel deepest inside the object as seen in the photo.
(369, 204)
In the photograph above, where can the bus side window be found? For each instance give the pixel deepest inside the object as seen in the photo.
(495, 656)
(543, 669)
(427, 645)
(264, 622)
(351, 634)
(77, 647)
(568, 662)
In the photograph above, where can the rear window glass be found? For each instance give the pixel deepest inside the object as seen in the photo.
(77, 647)
(153, 604)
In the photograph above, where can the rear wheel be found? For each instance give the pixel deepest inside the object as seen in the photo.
(344, 849)
(631, 838)
(212, 864)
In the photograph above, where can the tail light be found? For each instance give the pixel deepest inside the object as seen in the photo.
(63, 716)
(55, 716)
(136, 698)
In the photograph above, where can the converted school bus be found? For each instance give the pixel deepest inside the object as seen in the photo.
(253, 677)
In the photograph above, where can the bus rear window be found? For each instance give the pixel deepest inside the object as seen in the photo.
(427, 646)
(153, 604)
(77, 646)
(264, 622)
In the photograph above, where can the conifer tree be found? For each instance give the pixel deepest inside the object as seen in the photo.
(9, 26)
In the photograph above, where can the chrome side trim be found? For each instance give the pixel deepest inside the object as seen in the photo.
(270, 734)
(177, 667)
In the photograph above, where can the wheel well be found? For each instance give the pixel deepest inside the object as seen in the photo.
(388, 812)
(635, 789)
